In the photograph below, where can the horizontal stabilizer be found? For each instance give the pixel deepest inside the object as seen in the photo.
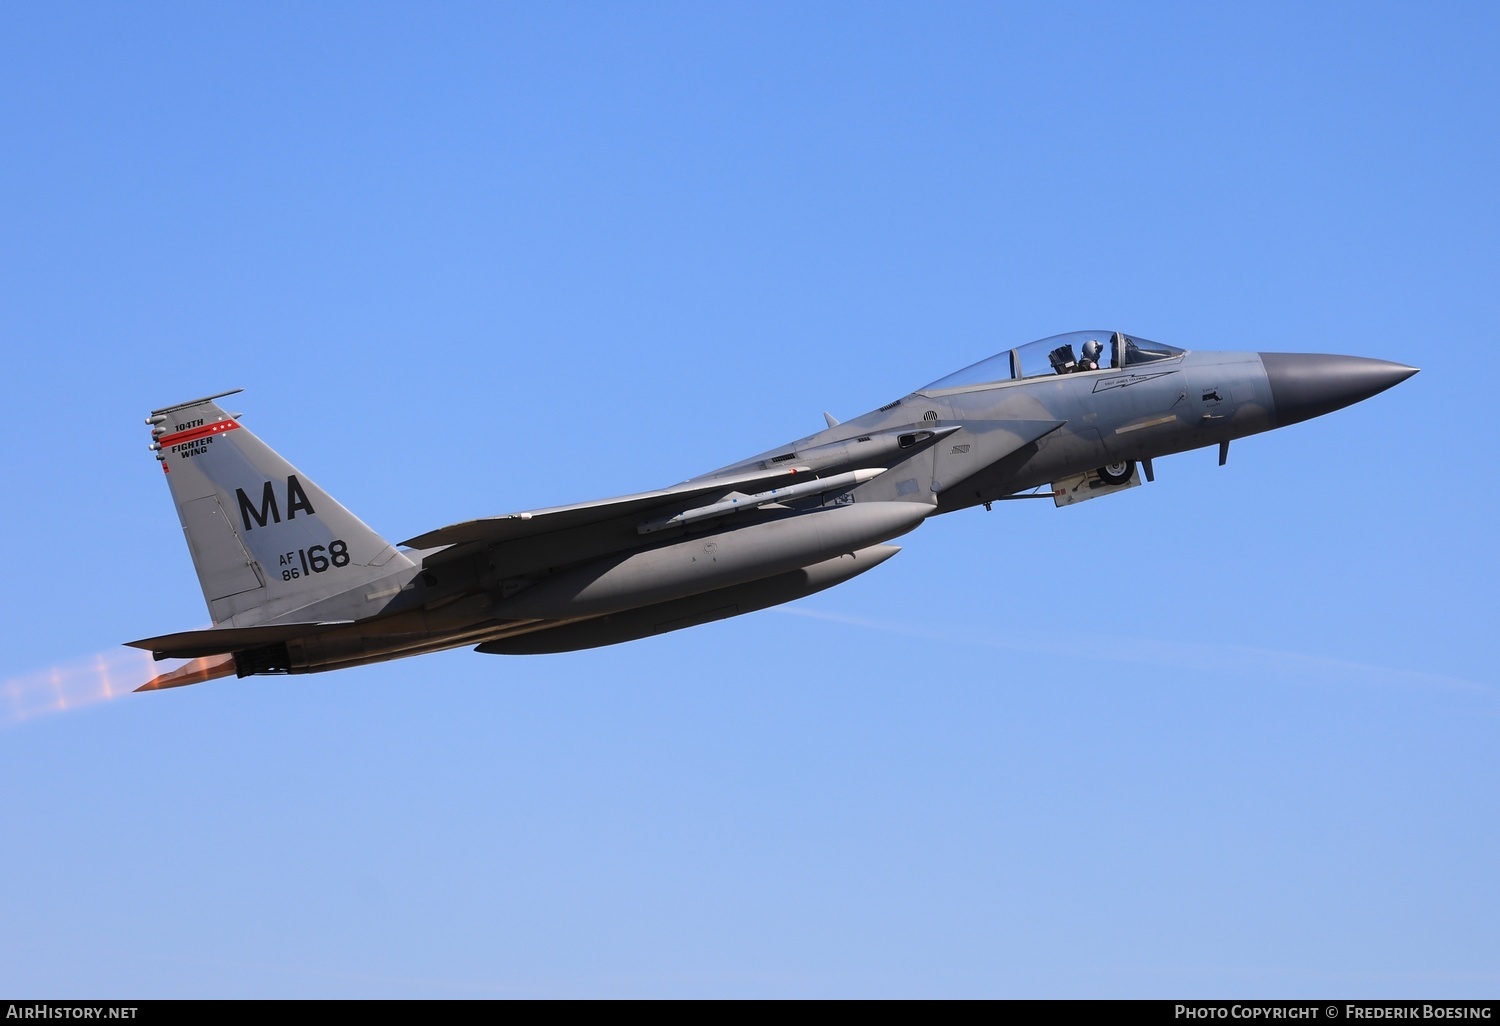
(219, 640)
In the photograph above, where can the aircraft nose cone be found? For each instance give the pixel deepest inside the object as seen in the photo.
(1307, 385)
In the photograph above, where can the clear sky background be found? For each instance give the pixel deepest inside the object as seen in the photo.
(1234, 733)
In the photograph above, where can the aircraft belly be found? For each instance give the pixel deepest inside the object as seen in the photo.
(705, 563)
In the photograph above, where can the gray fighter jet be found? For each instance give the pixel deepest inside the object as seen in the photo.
(295, 583)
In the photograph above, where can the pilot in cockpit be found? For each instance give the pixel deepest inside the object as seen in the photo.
(1092, 350)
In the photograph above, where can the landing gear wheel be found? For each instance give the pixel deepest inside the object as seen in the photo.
(1117, 473)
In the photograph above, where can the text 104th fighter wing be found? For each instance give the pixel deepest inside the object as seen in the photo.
(295, 583)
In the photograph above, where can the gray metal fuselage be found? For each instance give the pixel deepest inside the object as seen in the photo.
(1104, 417)
(607, 572)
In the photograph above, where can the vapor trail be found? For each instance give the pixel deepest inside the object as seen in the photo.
(1179, 654)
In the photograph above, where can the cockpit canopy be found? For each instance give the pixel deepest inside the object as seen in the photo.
(1060, 354)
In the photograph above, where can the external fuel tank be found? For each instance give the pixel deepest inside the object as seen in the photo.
(709, 562)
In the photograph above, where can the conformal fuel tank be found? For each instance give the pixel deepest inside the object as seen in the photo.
(707, 562)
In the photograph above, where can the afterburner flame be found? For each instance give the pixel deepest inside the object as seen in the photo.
(75, 684)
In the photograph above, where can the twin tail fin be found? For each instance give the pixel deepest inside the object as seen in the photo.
(265, 539)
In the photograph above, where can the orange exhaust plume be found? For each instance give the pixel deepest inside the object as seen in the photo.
(97, 678)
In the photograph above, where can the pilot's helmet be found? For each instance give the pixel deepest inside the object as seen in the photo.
(1091, 350)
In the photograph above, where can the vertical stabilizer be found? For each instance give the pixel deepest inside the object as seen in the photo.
(265, 539)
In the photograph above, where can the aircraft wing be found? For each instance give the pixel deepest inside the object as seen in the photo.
(516, 526)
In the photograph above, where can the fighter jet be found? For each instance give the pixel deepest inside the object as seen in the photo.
(295, 583)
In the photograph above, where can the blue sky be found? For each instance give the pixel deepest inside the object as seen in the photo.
(1233, 733)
